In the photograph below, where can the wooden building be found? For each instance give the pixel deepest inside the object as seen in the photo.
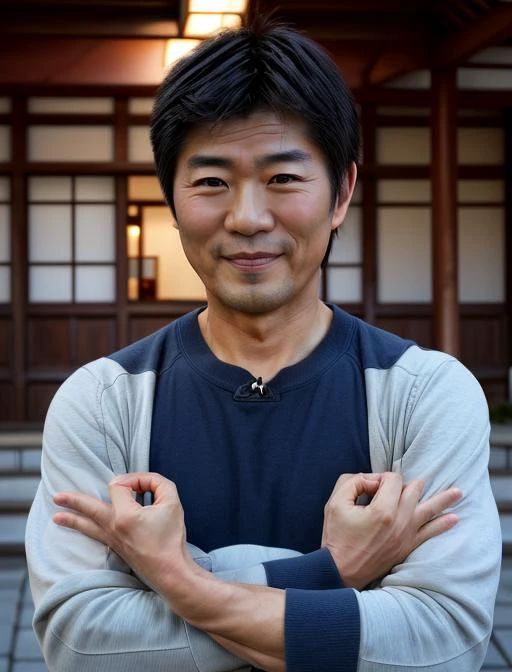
(89, 260)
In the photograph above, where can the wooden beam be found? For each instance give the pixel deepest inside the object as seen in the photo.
(134, 28)
(84, 61)
(486, 31)
(395, 62)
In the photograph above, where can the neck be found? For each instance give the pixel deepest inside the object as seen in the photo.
(264, 344)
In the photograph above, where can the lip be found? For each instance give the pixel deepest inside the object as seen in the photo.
(252, 260)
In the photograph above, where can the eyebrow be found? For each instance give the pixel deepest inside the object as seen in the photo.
(210, 161)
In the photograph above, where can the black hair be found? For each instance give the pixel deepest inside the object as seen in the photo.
(263, 66)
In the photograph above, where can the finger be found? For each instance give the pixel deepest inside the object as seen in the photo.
(436, 527)
(351, 486)
(368, 477)
(436, 504)
(121, 496)
(410, 497)
(88, 506)
(370, 486)
(342, 479)
(373, 477)
(74, 521)
(389, 493)
(162, 488)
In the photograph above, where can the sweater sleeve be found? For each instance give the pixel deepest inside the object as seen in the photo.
(438, 604)
(321, 617)
(92, 614)
(312, 571)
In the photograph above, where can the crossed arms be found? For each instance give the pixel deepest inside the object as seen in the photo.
(93, 614)
(365, 542)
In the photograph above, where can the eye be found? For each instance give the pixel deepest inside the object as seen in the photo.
(283, 178)
(209, 182)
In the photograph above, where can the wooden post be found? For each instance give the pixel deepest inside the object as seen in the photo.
(369, 208)
(508, 240)
(121, 155)
(444, 212)
(19, 257)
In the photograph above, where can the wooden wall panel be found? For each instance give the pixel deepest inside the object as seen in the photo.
(49, 343)
(39, 396)
(6, 402)
(483, 341)
(95, 337)
(496, 391)
(6, 352)
(142, 326)
(419, 329)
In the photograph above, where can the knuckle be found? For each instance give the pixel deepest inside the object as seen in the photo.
(385, 518)
(121, 523)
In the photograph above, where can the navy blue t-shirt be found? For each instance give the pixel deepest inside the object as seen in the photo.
(257, 465)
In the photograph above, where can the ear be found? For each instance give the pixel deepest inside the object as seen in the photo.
(345, 195)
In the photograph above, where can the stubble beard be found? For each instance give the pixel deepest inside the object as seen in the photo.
(255, 299)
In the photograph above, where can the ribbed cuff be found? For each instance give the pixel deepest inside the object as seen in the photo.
(312, 571)
(322, 630)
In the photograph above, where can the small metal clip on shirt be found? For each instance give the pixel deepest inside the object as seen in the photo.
(255, 390)
(259, 385)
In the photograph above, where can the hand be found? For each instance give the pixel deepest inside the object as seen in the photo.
(150, 539)
(246, 620)
(367, 541)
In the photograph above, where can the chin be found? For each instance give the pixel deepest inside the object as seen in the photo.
(256, 303)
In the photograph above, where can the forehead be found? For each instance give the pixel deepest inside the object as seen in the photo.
(253, 134)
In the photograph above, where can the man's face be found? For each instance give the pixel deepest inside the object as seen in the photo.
(252, 199)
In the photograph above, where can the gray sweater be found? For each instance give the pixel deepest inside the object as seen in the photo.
(427, 418)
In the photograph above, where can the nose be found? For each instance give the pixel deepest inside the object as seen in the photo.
(248, 213)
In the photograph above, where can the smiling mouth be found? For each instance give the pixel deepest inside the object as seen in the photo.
(252, 261)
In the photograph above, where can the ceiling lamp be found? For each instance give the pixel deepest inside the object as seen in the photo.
(176, 48)
(218, 6)
(203, 25)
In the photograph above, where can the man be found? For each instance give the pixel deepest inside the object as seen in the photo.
(262, 419)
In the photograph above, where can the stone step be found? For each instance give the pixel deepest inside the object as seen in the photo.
(12, 533)
(20, 439)
(20, 460)
(17, 493)
(502, 488)
(506, 531)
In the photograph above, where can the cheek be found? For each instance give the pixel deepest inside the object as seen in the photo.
(302, 211)
(308, 225)
(196, 222)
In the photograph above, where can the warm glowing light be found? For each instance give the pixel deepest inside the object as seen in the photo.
(218, 6)
(134, 231)
(177, 48)
(202, 25)
(133, 211)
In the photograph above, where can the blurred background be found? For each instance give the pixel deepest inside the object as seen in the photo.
(89, 261)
